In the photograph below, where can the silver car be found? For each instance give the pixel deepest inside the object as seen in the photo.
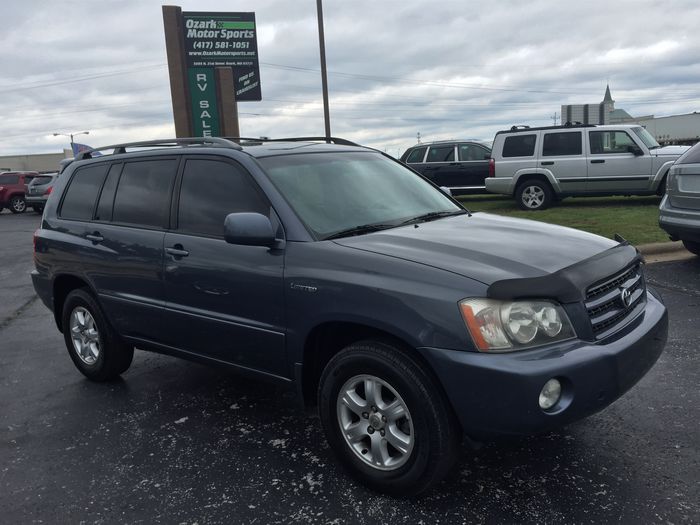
(36, 194)
(680, 208)
(538, 166)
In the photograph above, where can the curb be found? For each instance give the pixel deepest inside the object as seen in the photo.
(661, 248)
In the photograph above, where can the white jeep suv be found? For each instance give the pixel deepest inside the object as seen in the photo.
(540, 165)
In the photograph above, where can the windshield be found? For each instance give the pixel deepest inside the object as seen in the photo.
(334, 192)
(646, 137)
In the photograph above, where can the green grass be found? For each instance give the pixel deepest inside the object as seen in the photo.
(635, 218)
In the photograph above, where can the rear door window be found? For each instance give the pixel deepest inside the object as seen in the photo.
(79, 199)
(441, 153)
(212, 189)
(143, 193)
(519, 146)
(567, 143)
(416, 156)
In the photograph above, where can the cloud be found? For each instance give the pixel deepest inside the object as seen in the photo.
(447, 69)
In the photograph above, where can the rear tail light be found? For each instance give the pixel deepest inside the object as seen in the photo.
(48, 191)
(492, 167)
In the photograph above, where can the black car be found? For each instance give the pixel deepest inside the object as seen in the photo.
(406, 321)
(460, 166)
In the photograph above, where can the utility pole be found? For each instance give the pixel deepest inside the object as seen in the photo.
(324, 76)
(418, 137)
(555, 117)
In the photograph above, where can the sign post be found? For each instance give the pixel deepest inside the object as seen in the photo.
(213, 63)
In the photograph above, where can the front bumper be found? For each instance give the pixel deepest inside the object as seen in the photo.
(495, 394)
(679, 223)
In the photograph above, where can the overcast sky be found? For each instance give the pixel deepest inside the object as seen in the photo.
(445, 69)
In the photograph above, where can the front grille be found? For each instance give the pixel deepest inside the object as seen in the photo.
(607, 309)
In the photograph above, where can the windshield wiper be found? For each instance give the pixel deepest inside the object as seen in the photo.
(433, 215)
(359, 230)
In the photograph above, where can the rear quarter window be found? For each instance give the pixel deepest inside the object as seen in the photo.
(416, 156)
(81, 194)
(519, 146)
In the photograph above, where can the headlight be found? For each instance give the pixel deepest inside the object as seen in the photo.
(505, 326)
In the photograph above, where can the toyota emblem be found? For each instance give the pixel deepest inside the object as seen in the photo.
(625, 296)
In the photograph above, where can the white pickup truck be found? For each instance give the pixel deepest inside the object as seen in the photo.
(540, 165)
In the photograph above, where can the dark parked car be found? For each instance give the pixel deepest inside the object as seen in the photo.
(405, 320)
(38, 191)
(13, 184)
(679, 212)
(460, 166)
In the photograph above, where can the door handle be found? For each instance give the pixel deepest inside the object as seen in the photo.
(177, 251)
(597, 161)
(547, 163)
(94, 237)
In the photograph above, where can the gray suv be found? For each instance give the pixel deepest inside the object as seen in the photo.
(404, 320)
(540, 165)
(679, 212)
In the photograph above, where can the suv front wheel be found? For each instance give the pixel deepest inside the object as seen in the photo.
(386, 419)
(534, 195)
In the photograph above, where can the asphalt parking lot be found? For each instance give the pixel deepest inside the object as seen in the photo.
(176, 442)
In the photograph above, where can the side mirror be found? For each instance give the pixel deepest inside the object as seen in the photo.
(446, 190)
(248, 229)
(635, 149)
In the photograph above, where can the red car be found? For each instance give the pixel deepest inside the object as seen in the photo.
(12, 187)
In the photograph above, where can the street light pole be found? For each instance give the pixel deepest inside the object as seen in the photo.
(324, 76)
(71, 137)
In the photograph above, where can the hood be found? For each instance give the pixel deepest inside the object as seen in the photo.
(670, 150)
(485, 247)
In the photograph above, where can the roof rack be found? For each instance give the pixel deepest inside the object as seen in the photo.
(329, 140)
(189, 141)
(567, 125)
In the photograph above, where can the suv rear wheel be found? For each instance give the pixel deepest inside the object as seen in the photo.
(386, 419)
(17, 204)
(534, 195)
(96, 350)
(692, 247)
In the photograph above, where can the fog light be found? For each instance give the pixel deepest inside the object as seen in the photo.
(550, 394)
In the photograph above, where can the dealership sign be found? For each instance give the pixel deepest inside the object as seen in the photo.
(224, 40)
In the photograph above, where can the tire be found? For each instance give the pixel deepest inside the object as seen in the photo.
(104, 355)
(426, 432)
(692, 247)
(661, 190)
(38, 209)
(534, 194)
(17, 204)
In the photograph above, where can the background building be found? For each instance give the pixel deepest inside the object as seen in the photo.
(673, 129)
(41, 162)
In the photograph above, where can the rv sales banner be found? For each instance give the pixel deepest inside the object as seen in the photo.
(225, 39)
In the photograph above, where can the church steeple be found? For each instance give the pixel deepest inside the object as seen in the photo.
(608, 97)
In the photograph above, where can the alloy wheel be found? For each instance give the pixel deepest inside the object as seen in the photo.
(375, 422)
(85, 336)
